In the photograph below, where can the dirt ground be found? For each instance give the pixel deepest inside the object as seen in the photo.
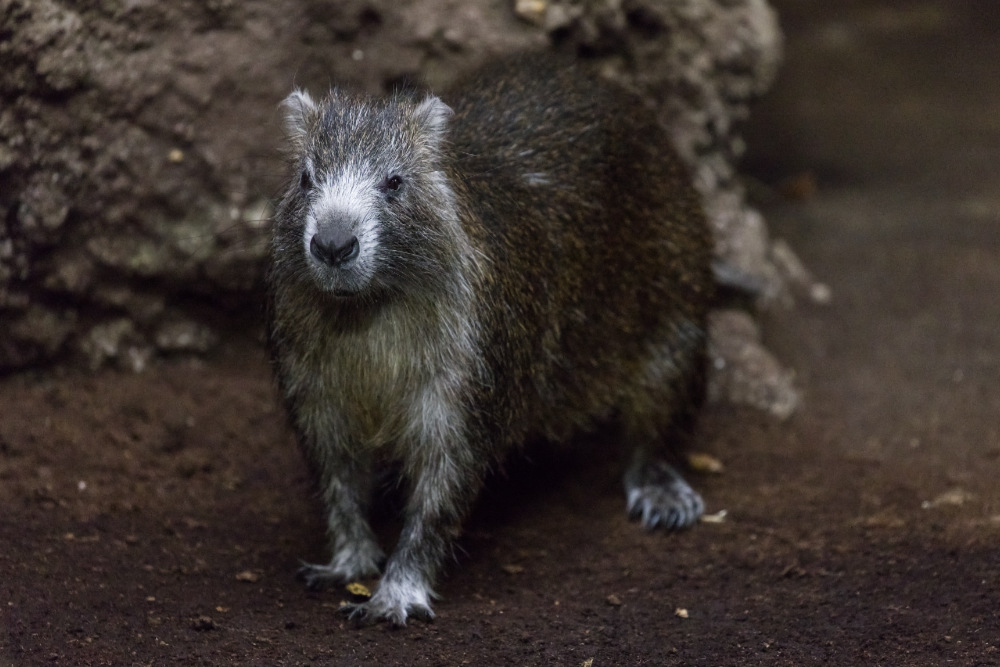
(159, 518)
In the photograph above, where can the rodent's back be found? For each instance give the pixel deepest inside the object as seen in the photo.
(597, 247)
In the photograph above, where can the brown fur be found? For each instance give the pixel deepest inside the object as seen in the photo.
(531, 265)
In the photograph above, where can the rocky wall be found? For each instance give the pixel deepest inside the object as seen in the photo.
(139, 141)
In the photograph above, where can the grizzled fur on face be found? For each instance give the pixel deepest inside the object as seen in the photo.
(367, 192)
(446, 287)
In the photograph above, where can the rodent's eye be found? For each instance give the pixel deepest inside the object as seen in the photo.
(305, 180)
(391, 183)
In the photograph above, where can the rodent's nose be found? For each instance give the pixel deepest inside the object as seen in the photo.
(334, 247)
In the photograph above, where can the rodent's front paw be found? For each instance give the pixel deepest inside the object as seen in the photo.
(349, 564)
(395, 600)
(372, 612)
(318, 577)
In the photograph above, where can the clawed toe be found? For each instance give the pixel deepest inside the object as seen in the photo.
(366, 613)
(316, 577)
(358, 615)
(660, 498)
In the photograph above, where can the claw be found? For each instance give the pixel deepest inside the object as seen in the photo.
(659, 497)
(422, 614)
(364, 614)
(359, 615)
(317, 577)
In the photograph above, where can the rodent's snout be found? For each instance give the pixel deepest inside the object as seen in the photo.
(334, 247)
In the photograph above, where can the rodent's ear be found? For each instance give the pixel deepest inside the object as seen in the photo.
(433, 115)
(298, 107)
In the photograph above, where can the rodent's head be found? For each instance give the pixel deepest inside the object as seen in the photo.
(368, 209)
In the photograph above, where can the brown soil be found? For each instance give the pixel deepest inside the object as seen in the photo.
(159, 518)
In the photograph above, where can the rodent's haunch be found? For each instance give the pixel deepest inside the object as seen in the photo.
(451, 282)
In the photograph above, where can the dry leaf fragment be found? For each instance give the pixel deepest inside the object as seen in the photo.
(953, 497)
(358, 589)
(705, 463)
(718, 517)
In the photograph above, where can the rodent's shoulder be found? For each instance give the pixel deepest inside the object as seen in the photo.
(542, 114)
(537, 93)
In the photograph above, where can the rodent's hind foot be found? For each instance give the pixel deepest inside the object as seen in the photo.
(659, 497)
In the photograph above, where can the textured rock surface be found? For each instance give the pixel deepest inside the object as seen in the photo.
(745, 373)
(138, 141)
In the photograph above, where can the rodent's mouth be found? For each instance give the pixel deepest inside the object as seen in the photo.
(338, 284)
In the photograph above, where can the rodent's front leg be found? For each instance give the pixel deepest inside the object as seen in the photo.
(445, 484)
(355, 552)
